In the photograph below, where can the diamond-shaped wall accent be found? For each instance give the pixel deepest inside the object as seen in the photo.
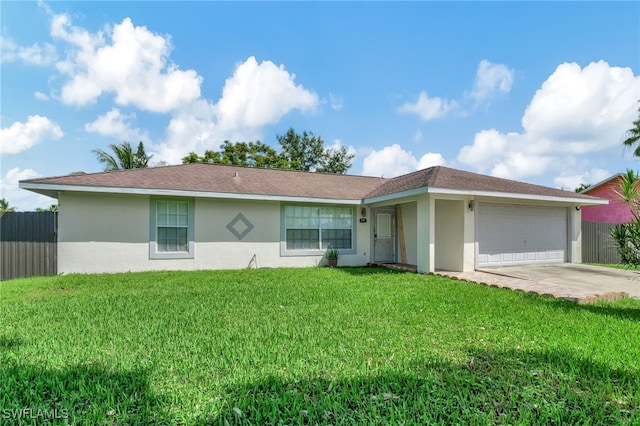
(240, 226)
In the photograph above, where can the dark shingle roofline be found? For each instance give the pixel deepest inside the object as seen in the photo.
(219, 179)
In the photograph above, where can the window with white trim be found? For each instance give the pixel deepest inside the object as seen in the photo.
(172, 220)
(172, 229)
(318, 228)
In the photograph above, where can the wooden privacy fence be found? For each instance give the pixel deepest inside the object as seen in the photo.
(597, 244)
(28, 244)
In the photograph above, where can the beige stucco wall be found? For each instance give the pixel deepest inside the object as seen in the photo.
(469, 253)
(449, 235)
(363, 240)
(425, 251)
(110, 233)
(102, 232)
(409, 223)
(575, 235)
(103, 218)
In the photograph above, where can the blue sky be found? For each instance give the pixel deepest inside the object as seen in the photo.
(541, 92)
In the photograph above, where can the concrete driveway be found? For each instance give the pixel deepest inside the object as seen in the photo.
(587, 277)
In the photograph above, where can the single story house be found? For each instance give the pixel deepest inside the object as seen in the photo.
(617, 211)
(211, 216)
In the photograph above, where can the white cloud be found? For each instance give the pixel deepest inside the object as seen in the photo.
(33, 55)
(130, 62)
(40, 96)
(191, 129)
(577, 111)
(114, 123)
(392, 161)
(491, 79)
(428, 108)
(487, 146)
(516, 165)
(21, 199)
(259, 94)
(583, 110)
(418, 135)
(337, 102)
(430, 159)
(572, 181)
(21, 136)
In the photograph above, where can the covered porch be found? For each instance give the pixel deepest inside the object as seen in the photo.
(423, 234)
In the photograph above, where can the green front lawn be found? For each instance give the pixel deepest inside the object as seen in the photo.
(310, 346)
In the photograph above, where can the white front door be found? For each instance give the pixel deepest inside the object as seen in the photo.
(510, 234)
(384, 236)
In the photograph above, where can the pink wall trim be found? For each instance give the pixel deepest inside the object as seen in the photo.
(616, 211)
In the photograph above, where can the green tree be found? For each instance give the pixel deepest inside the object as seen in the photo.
(252, 154)
(299, 152)
(191, 158)
(583, 186)
(124, 157)
(5, 208)
(336, 161)
(140, 158)
(633, 136)
(52, 208)
(303, 152)
(246, 154)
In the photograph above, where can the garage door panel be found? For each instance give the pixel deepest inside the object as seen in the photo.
(513, 234)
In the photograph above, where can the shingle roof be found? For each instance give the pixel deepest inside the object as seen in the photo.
(217, 178)
(447, 178)
(203, 177)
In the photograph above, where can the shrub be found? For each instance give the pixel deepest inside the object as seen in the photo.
(627, 238)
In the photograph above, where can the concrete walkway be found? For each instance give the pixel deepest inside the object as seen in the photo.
(588, 277)
(578, 295)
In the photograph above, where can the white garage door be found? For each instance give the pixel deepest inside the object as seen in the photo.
(512, 234)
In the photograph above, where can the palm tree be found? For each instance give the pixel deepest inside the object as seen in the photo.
(124, 157)
(4, 207)
(633, 136)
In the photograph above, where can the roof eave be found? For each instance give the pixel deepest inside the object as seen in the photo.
(396, 195)
(493, 194)
(53, 190)
(518, 196)
(38, 189)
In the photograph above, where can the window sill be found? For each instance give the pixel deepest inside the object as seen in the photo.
(293, 253)
(155, 254)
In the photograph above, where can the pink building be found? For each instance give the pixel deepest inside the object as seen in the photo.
(617, 211)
